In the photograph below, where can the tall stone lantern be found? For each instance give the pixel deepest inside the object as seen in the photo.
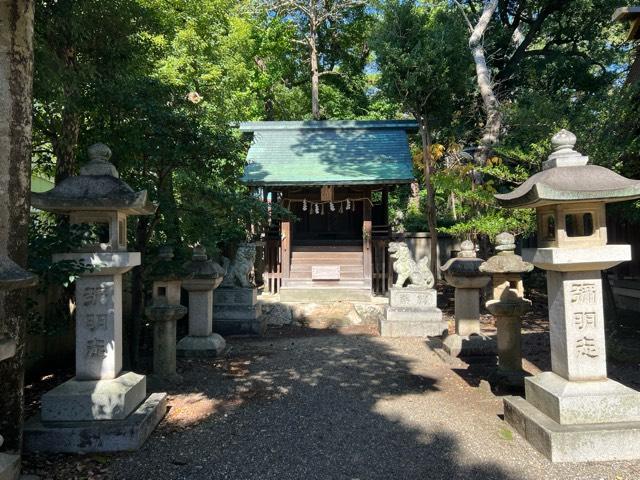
(102, 408)
(574, 412)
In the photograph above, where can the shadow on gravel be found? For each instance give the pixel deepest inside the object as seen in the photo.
(301, 408)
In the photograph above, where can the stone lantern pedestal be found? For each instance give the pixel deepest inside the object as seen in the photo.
(575, 413)
(164, 312)
(205, 276)
(464, 274)
(101, 409)
(165, 318)
(508, 305)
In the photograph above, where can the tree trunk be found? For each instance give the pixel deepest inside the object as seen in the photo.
(65, 144)
(493, 122)
(425, 136)
(315, 75)
(16, 79)
(169, 210)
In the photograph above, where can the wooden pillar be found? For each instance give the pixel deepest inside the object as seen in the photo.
(385, 205)
(285, 242)
(366, 238)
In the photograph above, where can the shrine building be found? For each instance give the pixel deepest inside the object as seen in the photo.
(335, 177)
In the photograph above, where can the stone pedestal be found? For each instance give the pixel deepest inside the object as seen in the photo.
(100, 398)
(509, 373)
(201, 341)
(236, 311)
(165, 318)
(412, 312)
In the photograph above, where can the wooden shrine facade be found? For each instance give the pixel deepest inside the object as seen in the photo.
(335, 178)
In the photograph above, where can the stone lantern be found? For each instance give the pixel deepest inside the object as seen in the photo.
(574, 412)
(203, 277)
(102, 408)
(508, 305)
(164, 312)
(12, 277)
(463, 273)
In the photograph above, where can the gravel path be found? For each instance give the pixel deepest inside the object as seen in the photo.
(338, 407)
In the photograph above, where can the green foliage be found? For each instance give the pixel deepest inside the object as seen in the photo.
(418, 54)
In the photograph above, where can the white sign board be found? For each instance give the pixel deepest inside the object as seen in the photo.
(325, 272)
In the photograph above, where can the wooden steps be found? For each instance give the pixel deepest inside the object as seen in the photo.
(300, 287)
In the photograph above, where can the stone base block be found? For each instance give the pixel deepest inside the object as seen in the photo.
(210, 346)
(473, 345)
(570, 403)
(507, 380)
(87, 400)
(9, 466)
(572, 443)
(412, 323)
(241, 327)
(99, 436)
(239, 320)
(412, 297)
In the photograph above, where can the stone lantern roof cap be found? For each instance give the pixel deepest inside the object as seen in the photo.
(13, 276)
(97, 188)
(567, 178)
(466, 264)
(200, 267)
(506, 261)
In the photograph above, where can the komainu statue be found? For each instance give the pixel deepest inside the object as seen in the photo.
(419, 274)
(239, 271)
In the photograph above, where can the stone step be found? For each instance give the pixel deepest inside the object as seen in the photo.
(326, 254)
(326, 248)
(319, 294)
(306, 275)
(343, 268)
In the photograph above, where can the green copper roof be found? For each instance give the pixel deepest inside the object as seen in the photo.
(329, 153)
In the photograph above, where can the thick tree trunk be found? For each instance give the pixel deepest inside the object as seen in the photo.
(315, 78)
(425, 136)
(493, 122)
(16, 78)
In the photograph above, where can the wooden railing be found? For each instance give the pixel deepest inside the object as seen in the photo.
(382, 267)
(272, 276)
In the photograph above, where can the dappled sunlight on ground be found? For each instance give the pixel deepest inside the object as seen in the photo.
(189, 409)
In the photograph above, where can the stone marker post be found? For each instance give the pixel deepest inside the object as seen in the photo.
(463, 273)
(12, 277)
(508, 306)
(101, 409)
(412, 310)
(203, 277)
(164, 312)
(575, 413)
